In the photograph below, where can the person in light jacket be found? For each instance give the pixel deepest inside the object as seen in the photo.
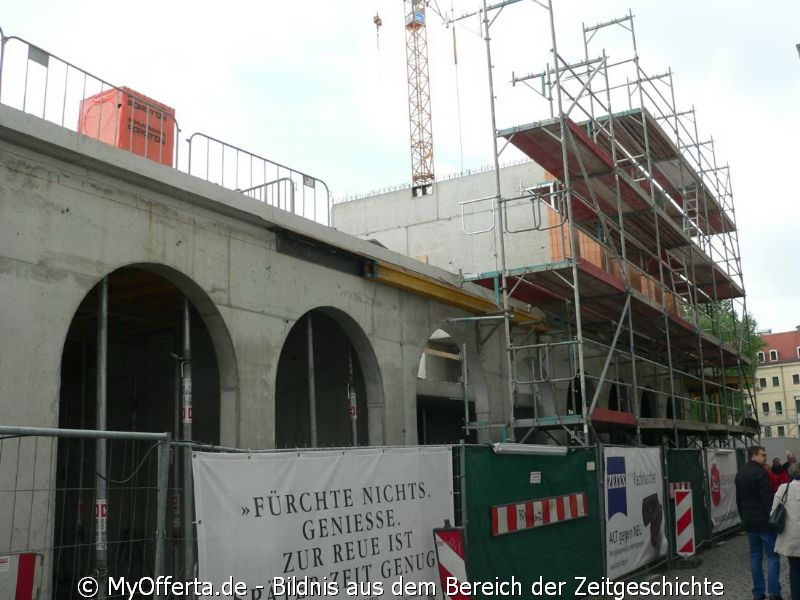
(788, 542)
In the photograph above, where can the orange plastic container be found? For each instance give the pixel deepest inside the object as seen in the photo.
(129, 120)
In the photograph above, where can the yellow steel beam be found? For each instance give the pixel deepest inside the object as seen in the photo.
(444, 292)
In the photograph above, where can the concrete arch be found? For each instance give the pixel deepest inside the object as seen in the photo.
(330, 325)
(214, 323)
(477, 386)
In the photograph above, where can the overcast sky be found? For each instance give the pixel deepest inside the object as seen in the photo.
(313, 85)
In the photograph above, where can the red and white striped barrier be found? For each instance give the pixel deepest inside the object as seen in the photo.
(508, 518)
(684, 523)
(450, 555)
(18, 576)
(678, 485)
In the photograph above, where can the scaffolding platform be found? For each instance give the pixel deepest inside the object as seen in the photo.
(592, 177)
(602, 297)
(671, 170)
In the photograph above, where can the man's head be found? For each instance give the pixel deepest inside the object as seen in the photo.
(790, 457)
(757, 453)
(776, 462)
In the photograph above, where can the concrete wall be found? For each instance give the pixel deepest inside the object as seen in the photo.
(73, 210)
(433, 228)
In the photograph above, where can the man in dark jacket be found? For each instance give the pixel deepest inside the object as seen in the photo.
(754, 501)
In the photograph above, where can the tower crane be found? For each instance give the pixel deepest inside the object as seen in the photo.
(419, 98)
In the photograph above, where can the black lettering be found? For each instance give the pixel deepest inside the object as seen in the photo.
(400, 492)
(287, 556)
(366, 495)
(308, 529)
(270, 500)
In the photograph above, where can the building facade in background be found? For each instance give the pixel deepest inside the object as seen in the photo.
(778, 384)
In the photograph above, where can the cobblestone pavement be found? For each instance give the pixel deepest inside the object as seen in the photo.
(727, 562)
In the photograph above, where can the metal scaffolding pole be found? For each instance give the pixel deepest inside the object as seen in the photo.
(161, 507)
(101, 466)
(352, 399)
(500, 242)
(176, 471)
(465, 388)
(312, 392)
(186, 418)
(573, 234)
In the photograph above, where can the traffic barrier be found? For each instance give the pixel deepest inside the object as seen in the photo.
(509, 518)
(684, 523)
(686, 468)
(451, 558)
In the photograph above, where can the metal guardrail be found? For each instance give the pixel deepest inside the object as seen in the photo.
(44, 85)
(259, 178)
(51, 88)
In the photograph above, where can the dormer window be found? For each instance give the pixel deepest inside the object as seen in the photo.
(773, 355)
(760, 355)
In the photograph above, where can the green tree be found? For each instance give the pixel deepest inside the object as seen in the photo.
(740, 331)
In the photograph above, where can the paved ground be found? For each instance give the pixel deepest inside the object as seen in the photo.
(727, 562)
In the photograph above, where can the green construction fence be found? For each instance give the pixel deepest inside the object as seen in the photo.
(556, 552)
(687, 466)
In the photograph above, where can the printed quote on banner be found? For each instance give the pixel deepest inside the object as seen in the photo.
(355, 522)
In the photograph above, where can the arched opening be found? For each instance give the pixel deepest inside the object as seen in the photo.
(143, 378)
(344, 398)
(648, 407)
(618, 397)
(674, 408)
(442, 409)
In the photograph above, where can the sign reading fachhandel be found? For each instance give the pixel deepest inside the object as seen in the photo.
(634, 509)
(322, 524)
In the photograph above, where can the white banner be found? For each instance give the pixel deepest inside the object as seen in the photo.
(634, 509)
(721, 474)
(337, 522)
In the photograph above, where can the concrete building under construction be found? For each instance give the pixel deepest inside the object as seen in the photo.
(622, 229)
(160, 298)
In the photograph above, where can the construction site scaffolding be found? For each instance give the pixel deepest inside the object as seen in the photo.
(650, 332)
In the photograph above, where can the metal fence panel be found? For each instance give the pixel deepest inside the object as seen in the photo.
(688, 466)
(48, 486)
(555, 552)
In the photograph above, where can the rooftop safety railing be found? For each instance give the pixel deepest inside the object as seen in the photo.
(259, 178)
(39, 83)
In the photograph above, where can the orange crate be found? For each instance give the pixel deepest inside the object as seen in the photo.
(129, 120)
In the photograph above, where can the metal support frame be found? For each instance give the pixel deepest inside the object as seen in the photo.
(588, 88)
(312, 386)
(186, 418)
(101, 460)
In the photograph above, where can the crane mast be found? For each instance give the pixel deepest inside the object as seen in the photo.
(419, 98)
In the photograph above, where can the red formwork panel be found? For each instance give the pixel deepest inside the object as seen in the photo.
(129, 120)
